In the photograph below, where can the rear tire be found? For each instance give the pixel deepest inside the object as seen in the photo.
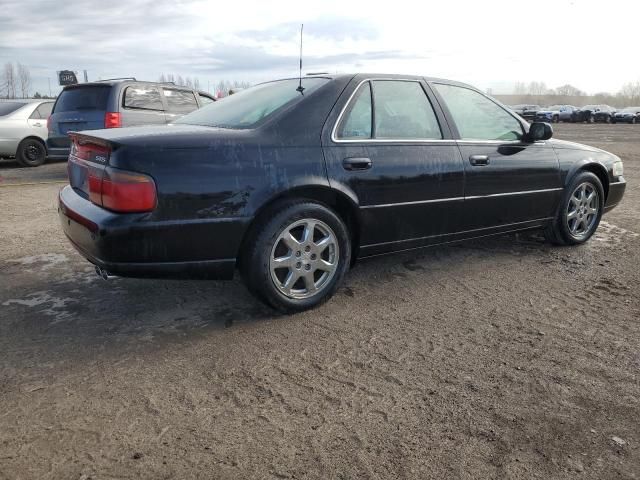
(297, 258)
(555, 119)
(579, 212)
(31, 153)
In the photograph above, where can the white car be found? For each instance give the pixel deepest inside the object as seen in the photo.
(23, 130)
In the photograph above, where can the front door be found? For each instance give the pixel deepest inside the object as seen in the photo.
(507, 180)
(388, 147)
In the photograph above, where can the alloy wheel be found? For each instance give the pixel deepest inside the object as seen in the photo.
(304, 258)
(32, 151)
(582, 210)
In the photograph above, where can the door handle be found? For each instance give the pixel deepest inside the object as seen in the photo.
(479, 160)
(37, 124)
(356, 163)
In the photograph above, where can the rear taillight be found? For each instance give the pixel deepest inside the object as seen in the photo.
(112, 120)
(124, 191)
(108, 187)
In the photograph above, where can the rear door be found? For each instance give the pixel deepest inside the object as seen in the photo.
(507, 180)
(80, 107)
(142, 105)
(38, 119)
(389, 147)
(178, 103)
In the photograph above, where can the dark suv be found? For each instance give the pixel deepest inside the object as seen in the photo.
(117, 103)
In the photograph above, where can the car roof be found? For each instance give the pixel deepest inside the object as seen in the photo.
(114, 82)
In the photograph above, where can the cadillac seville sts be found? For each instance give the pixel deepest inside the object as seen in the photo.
(290, 181)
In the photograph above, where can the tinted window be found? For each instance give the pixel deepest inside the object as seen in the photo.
(147, 98)
(9, 107)
(205, 100)
(83, 98)
(477, 117)
(356, 122)
(247, 108)
(180, 101)
(402, 110)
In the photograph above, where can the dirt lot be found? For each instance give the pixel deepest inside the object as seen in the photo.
(500, 358)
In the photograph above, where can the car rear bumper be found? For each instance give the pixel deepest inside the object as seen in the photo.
(616, 192)
(130, 245)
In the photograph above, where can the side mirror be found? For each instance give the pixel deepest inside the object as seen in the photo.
(539, 131)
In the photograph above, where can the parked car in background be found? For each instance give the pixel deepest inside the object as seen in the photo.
(290, 180)
(23, 131)
(593, 113)
(117, 103)
(605, 114)
(627, 115)
(529, 112)
(555, 113)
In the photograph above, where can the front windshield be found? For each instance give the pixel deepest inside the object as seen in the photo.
(631, 109)
(249, 107)
(555, 107)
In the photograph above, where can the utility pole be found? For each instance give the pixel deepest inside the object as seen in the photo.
(86, 78)
(49, 81)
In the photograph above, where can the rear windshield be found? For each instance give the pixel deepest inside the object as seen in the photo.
(9, 107)
(83, 98)
(247, 108)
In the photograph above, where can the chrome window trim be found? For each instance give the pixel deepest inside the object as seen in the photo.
(454, 199)
(335, 139)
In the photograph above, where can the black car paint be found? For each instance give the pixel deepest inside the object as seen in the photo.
(214, 183)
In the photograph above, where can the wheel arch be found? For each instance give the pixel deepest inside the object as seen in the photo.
(340, 202)
(596, 168)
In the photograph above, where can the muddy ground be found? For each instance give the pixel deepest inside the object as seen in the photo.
(497, 358)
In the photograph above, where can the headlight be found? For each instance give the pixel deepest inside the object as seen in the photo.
(617, 169)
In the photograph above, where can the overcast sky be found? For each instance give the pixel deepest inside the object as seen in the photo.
(490, 43)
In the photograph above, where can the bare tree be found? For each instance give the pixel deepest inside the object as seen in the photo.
(162, 78)
(537, 88)
(630, 92)
(519, 88)
(569, 91)
(188, 82)
(24, 80)
(196, 84)
(8, 81)
(170, 78)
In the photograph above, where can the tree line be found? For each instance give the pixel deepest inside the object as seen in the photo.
(15, 81)
(221, 88)
(628, 95)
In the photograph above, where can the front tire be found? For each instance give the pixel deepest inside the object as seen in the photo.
(297, 259)
(31, 153)
(579, 212)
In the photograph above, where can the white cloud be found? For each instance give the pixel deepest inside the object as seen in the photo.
(493, 43)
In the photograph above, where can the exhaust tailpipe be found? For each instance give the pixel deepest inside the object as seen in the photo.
(103, 274)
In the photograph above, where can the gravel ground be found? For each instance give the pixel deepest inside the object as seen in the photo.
(498, 358)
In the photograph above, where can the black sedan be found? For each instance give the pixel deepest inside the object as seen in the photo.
(290, 181)
(627, 115)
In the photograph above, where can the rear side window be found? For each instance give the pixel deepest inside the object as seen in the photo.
(180, 101)
(83, 98)
(402, 111)
(205, 100)
(9, 107)
(357, 118)
(477, 117)
(43, 111)
(145, 98)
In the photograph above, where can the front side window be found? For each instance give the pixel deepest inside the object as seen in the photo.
(402, 111)
(477, 117)
(144, 98)
(180, 101)
(205, 100)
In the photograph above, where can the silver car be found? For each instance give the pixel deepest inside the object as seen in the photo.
(23, 130)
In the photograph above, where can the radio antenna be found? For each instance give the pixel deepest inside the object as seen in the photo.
(300, 87)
